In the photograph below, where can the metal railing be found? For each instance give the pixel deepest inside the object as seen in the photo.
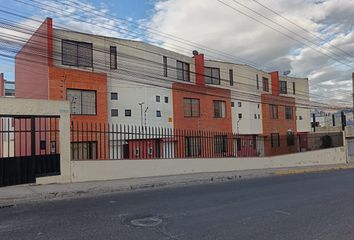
(122, 142)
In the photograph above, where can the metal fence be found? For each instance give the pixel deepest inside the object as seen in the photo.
(121, 142)
(29, 148)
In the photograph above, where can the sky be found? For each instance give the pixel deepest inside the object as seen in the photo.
(310, 38)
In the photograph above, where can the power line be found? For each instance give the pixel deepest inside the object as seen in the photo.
(282, 33)
(300, 27)
(140, 49)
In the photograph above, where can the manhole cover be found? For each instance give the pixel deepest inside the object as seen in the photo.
(146, 222)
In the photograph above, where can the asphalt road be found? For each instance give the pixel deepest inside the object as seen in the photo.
(309, 206)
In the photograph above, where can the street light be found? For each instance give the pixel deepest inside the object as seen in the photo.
(141, 112)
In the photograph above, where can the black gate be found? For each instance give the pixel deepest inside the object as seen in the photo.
(29, 148)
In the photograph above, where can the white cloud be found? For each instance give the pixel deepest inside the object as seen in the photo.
(214, 25)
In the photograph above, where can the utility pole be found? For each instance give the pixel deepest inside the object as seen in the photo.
(314, 122)
(141, 113)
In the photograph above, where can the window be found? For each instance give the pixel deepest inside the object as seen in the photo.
(114, 112)
(257, 81)
(283, 87)
(239, 104)
(290, 139)
(164, 59)
(232, 104)
(220, 144)
(183, 71)
(76, 53)
(294, 88)
(82, 102)
(258, 105)
(288, 112)
(158, 98)
(255, 116)
(193, 146)
(166, 99)
(240, 115)
(259, 116)
(231, 77)
(84, 150)
(191, 107)
(113, 57)
(128, 112)
(158, 113)
(212, 75)
(273, 111)
(265, 84)
(275, 140)
(219, 109)
(114, 96)
(300, 117)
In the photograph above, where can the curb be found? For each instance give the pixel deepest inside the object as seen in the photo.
(311, 170)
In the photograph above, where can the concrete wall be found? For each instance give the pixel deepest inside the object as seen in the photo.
(106, 170)
(13, 106)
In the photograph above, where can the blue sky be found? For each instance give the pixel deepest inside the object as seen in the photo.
(128, 9)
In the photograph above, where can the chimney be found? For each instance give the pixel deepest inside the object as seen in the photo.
(275, 83)
(2, 85)
(199, 68)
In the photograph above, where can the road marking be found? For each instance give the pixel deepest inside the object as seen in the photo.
(282, 212)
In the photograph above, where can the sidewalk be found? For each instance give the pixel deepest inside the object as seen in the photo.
(30, 192)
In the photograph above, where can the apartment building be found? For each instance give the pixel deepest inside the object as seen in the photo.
(118, 81)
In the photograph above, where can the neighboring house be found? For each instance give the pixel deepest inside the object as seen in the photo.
(117, 81)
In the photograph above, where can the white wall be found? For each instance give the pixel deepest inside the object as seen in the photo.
(120, 169)
(129, 97)
(302, 100)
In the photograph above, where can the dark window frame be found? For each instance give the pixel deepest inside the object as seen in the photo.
(257, 81)
(114, 94)
(193, 146)
(114, 109)
(158, 98)
(76, 44)
(275, 140)
(273, 111)
(129, 111)
(166, 99)
(283, 87)
(82, 90)
(185, 68)
(265, 83)
(191, 107)
(289, 115)
(231, 77)
(158, 113)
(220, 144)
(212, 82)
(294, 90)
(164, 62)
(113, 50)
(222, 103)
